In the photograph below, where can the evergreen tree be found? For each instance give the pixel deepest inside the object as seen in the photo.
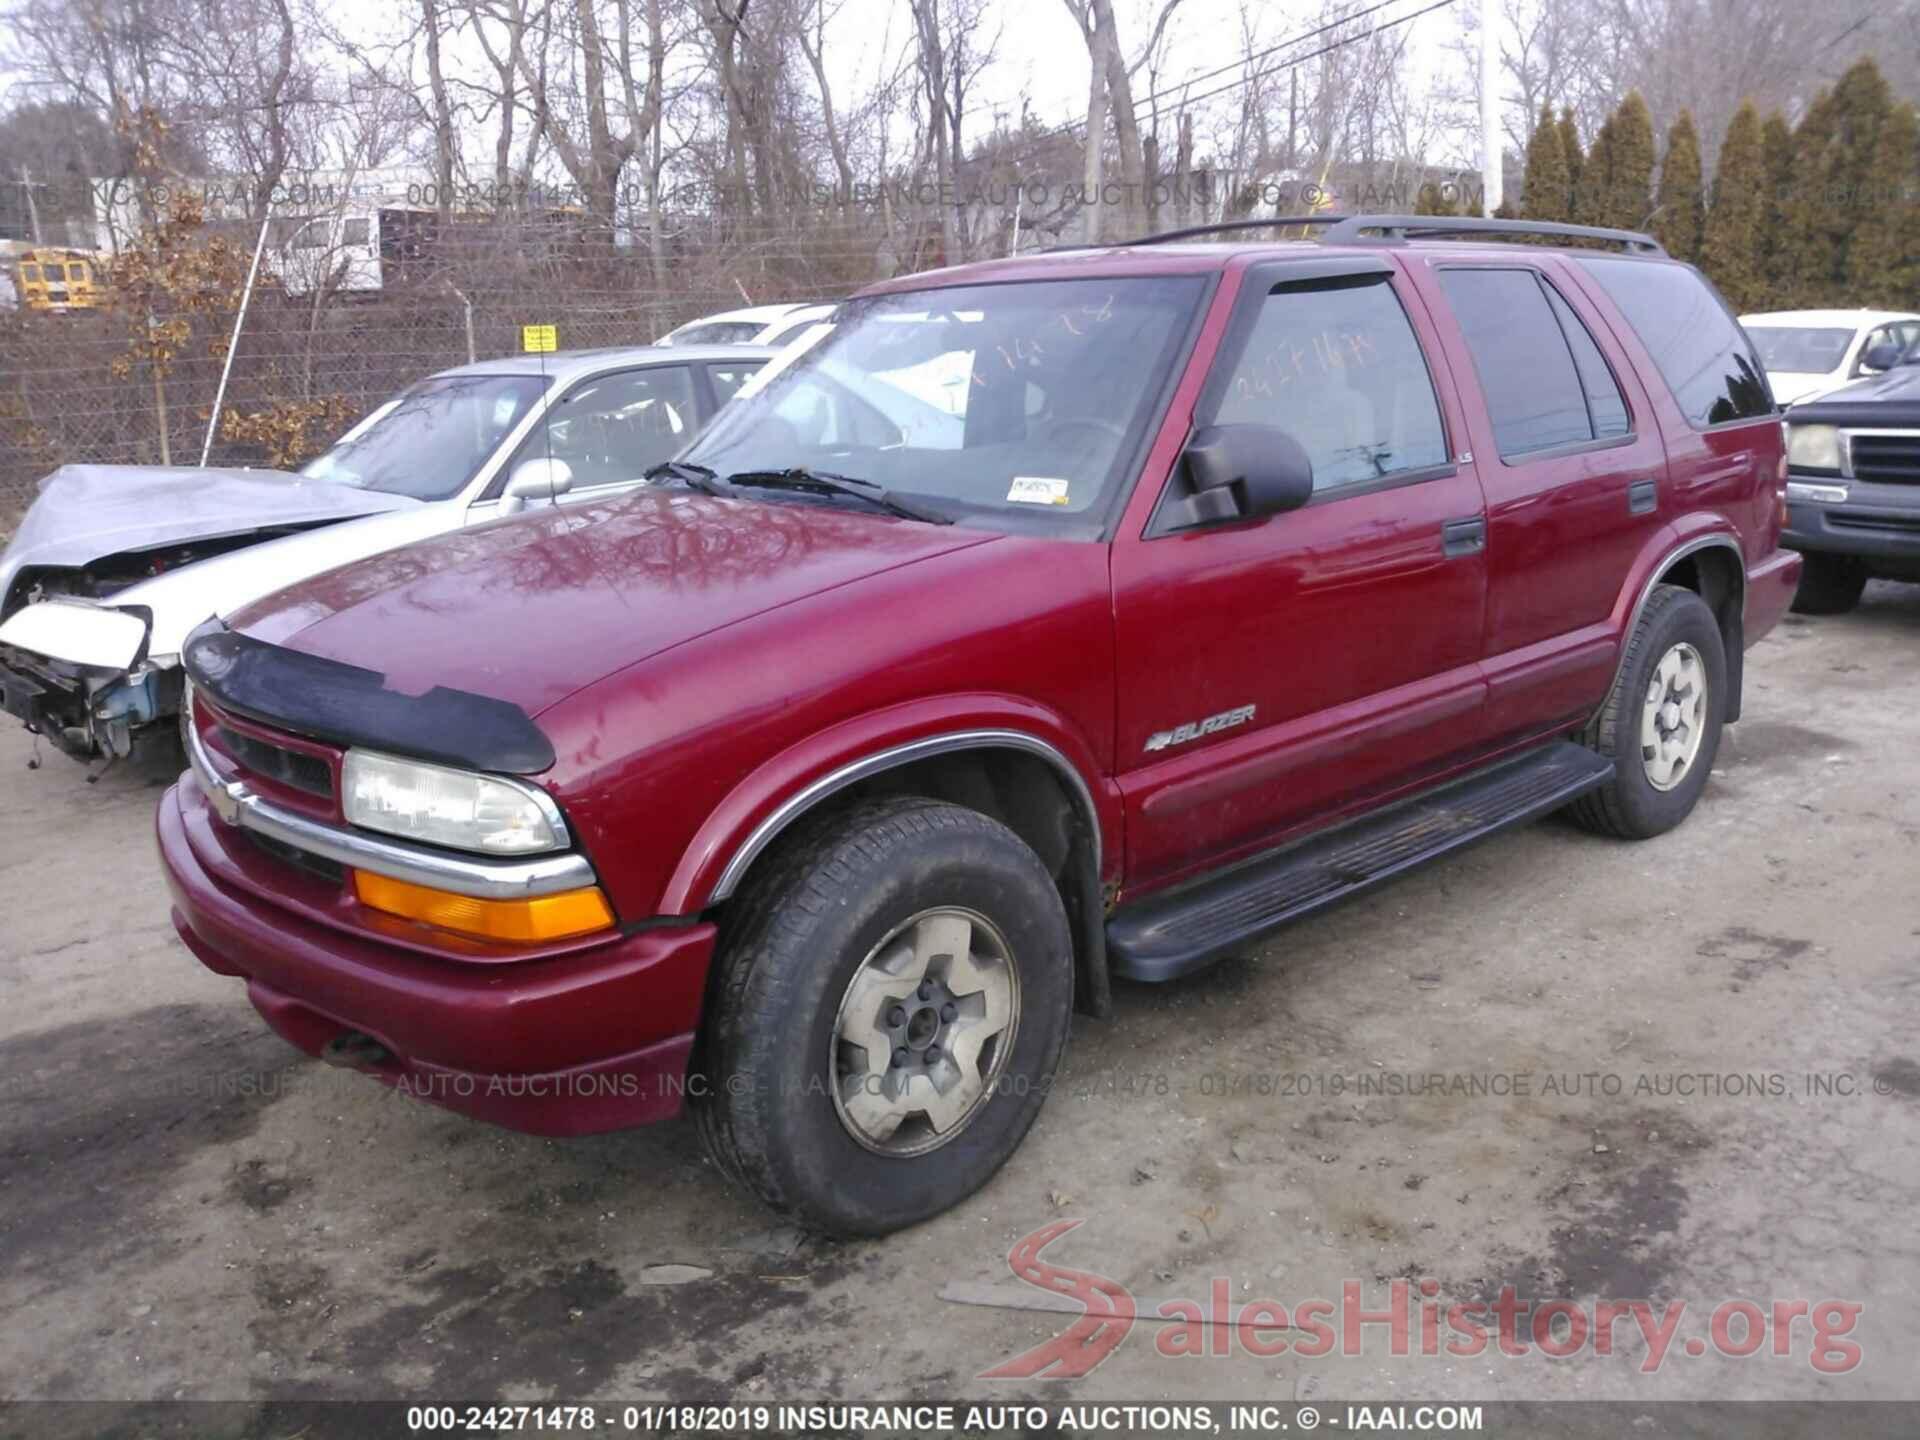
(1575, 157)
(1544, 193)
(1863, 106)
(1804, 259)
(1833, 181)
(1883, 260)
(1730, 250)
(1776, 161)
(1590, 201)
(1680, 207)
(1630, 181)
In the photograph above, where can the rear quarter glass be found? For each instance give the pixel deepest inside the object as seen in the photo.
(1710, 365)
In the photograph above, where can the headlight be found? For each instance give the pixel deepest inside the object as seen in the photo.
(1813, 447)
(448, 807)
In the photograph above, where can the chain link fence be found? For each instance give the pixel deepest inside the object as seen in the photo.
(85, 387)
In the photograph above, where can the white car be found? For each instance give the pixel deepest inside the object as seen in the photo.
(772, 325)
(1809, 352)
(113, 565)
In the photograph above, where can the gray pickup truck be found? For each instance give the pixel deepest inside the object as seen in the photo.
(1853, 488)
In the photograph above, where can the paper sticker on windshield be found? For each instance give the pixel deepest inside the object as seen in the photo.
(1037, 490)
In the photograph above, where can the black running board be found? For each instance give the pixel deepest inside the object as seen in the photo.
(1170, 935)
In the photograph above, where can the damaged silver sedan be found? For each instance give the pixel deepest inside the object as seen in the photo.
(115, 564)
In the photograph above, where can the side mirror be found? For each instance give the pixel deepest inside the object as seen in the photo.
(1883, 356)
(1245, 471)
(535, 479)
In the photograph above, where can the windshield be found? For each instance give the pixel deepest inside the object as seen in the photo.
(1790, 349)
(1014, 405)
(433, 439)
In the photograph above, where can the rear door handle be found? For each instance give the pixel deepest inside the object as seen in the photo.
(1643, 497)
(1464, 537)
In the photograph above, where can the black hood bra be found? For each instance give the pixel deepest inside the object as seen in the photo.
(345, 705)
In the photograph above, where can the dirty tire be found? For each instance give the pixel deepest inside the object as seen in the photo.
(1629, 806)
(790, 945)
(1829, 584)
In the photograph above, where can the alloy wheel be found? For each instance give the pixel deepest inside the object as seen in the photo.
(923, 1031)
(1673, 721)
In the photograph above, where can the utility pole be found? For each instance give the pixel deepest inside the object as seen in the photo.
(1491, 180)
(33, 210)
(1293, 113)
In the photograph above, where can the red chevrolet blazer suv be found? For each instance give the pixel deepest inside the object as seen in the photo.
(1036, 622)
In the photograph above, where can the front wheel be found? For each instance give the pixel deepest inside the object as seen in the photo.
(1661, 724)
(891, 1000)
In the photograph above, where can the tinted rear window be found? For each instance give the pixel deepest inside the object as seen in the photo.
(1604, 403)
(1706, 358)
(1534, 395)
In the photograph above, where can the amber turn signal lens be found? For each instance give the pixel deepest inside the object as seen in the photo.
(539, 917)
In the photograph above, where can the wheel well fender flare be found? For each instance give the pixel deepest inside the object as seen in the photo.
(1670, 557)
(770, 798)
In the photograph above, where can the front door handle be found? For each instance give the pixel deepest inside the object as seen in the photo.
(1464, 537)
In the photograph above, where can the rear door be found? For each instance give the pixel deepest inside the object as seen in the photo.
(1575, 474)
(1275, 672)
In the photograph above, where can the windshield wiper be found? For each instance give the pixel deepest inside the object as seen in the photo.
(825, 482)
(703, 478)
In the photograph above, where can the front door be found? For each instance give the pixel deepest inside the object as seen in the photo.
(1276, 672)
(609, 430)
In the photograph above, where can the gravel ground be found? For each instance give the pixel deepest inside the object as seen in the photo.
(1624, 1035)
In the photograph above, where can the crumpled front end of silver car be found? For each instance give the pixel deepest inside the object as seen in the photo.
(74, 659)
(78, 673)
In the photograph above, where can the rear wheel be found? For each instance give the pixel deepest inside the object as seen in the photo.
(1661, 724)
(891, 1000)
(1829, 584)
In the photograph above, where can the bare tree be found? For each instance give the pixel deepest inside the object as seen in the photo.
(1110, 96)
(506, 58)
(445, 140)
(812, 34)
(589, 143)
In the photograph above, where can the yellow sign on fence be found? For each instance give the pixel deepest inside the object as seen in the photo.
(539, 339)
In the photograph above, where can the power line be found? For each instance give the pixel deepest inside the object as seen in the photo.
(1323, 50)
(1253, 55)
(1071, 126)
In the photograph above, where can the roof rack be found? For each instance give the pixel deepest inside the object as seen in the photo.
(1352, 229)
(1397, 229)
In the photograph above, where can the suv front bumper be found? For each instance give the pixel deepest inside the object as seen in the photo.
(1876, 521)
(572, 1044)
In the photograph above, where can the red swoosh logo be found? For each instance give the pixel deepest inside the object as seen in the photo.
(1085, 1344)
